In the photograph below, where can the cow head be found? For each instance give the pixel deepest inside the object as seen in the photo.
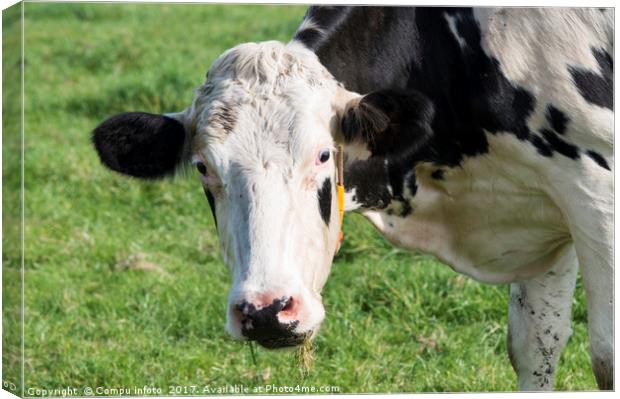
(261, 132)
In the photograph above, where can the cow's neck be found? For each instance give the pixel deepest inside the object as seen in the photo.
(432, 50)
(374, 48)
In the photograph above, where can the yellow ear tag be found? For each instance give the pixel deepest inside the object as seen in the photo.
(340, 194)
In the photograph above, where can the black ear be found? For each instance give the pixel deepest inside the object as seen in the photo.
(389, 121)
(140, 144)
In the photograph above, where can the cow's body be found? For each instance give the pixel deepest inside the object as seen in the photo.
(483, 137)
(518, 172)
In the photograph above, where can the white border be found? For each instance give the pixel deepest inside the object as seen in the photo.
(480, 3)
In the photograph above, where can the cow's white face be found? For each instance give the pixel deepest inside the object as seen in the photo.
(263, 142)
(260, 132)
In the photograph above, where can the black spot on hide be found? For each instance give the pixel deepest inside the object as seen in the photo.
(325, 201)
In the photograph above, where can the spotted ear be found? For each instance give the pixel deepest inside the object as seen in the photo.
(142, 145)
(388, 121)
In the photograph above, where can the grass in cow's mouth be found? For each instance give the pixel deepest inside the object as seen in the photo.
(395, 321)
(305, 355)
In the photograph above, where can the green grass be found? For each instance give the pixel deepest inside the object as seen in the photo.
(396, 321)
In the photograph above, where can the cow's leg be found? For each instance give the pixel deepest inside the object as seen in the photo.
(587, 201)
(597, 271)
(539, 322)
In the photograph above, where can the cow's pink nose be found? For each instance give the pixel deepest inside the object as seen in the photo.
(271, 324)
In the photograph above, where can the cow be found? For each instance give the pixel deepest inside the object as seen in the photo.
(481, 136)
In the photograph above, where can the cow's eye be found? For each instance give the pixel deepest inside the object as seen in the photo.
(323, 156)
(201, 168)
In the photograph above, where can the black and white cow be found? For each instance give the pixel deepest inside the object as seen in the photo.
(481, 136)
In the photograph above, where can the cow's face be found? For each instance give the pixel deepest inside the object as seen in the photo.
(263, 145)
(261, 133)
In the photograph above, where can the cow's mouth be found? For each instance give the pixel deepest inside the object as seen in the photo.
(282, 342)
(284, 337)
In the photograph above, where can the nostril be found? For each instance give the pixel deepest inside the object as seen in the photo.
(240, 307)
(289, 311)
(288, 305)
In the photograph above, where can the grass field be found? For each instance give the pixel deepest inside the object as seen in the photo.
(396, 321)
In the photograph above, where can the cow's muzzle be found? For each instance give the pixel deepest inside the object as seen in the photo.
(271, 326)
